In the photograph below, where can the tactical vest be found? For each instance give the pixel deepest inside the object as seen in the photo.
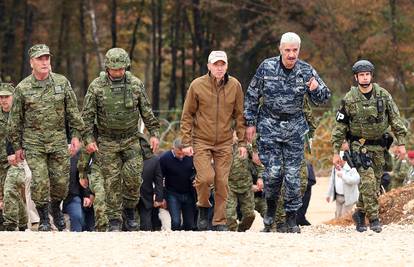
(119, 109)
(368, 118)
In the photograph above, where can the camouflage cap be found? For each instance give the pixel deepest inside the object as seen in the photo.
(6, 89)
(39, 50)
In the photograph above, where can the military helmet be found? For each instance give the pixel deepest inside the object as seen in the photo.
(363, 66)
(117, 58)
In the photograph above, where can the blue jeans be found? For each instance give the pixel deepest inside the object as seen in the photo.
(181, 204)
(74, 209)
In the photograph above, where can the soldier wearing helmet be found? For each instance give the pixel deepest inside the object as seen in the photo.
(365, 114)
(114, 103)
(44, 103)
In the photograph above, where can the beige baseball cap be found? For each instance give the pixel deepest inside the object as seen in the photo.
(216, 56)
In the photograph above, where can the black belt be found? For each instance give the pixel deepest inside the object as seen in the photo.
(368, 142)
(283, 116)
(118, 135)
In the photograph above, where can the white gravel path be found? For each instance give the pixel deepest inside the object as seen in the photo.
(319, 245)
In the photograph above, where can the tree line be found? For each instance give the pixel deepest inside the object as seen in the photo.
(169, 40)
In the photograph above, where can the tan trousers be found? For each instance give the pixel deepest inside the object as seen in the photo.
(341, 208)
(30, 206)
(213, 164)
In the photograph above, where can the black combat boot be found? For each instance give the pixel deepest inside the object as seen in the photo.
(375, 225)
(268, 219)
(359, 219)
(57, 214)
(10, 227)
(292, 226)
(114, 226)
(202, 219)
(220, 228)
(281, 228)
(44, 224)
(129, 224)
(1, 221)
(22, 228)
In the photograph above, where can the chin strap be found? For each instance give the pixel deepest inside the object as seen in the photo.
(364, 85)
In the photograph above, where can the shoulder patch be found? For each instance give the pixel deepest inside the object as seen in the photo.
(341, 114)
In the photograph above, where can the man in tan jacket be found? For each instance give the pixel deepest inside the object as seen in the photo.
(212, 103)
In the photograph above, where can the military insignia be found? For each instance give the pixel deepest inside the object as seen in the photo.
(342, 116)
(116, 90)
(58, 89)
(362, 141)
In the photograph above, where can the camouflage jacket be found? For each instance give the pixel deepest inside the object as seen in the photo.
(310, 118)
(400, 170)
(280, 116)
(40, 111)
(361, 117)
(240, 177)
(3, 136)
(116, 107)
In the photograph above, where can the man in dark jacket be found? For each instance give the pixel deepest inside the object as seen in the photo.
(79, 201)
(179, 171)
(151, 195)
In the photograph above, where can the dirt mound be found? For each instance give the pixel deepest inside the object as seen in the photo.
(396, 206)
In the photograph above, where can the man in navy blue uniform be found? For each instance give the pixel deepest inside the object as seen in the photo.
(279, 86)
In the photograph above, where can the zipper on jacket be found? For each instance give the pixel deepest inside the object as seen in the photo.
(217, 111)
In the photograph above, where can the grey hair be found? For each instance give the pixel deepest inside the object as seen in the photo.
(177, 143)
(290, 38)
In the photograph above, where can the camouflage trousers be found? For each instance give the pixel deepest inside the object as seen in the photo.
(370, 184)
(260, 205)
(282, 161)
(50, 175)
(246, 202)
(3, 174)
(96, 184)
(280, 215)
(14, 211)
(121, 165)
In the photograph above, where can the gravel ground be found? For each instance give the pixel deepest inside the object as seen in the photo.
(319, 245)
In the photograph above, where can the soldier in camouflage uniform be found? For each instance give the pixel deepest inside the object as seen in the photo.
(282, 82)
(240, 190)
(89, 170)
(12, 177)
(399, 171)
(43, 103)
(363, 118)
(116, 101)
(256, 170)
